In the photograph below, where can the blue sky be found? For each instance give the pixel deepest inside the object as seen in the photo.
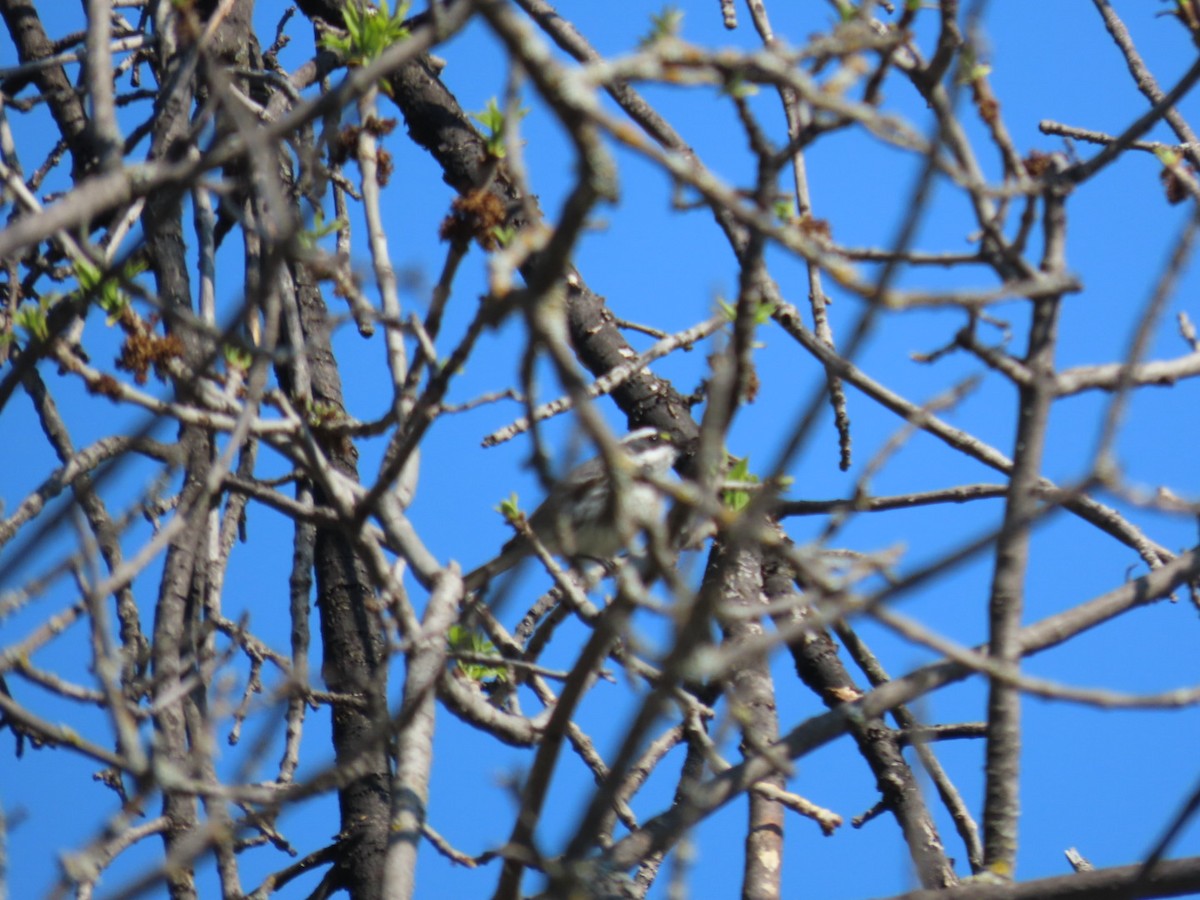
(1104, 782)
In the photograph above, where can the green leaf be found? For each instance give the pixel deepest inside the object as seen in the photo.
(109, 294)
(32, 318)
(762, 312)
(738, 499)
(509, 508)
(237, 357)
(504, 234)
(320, 229)
(1168, 156)
(971, 67)
(492, 118)
(666, 24)
(368, 31)
(466, 640)
(980, 70)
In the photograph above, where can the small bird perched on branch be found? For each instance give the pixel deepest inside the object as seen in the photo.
(580, 518)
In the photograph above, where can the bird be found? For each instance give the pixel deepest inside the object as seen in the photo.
(578, 518)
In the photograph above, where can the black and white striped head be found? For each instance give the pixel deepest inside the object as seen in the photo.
(651, 450)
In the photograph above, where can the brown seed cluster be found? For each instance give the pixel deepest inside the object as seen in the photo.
(475, 215)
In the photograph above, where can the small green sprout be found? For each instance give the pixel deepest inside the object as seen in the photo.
(1168, 156)
(465, 640)
(109, 294)
(31, 317)
(237, 357)
(738, 499)
(320, 230)
(324, 415)
(493, 119)
(504, 234)
(509, 508)
(663, 25)
(761, 315)
(368, 31)
(977, 71)
(971, 67)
